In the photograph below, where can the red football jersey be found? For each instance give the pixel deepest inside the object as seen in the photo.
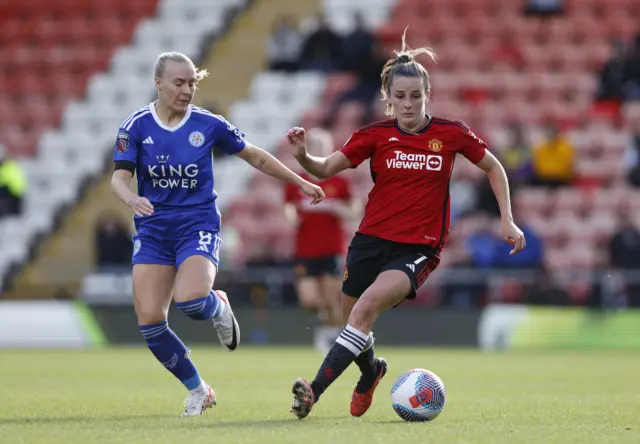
(409, 202)
(320, 231)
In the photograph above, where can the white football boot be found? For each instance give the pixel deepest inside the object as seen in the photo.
(199, 400)
(225, 324)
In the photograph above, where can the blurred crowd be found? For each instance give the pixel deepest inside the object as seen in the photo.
(13, 185)
(546, 163)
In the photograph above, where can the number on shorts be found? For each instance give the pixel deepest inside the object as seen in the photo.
(205, 241)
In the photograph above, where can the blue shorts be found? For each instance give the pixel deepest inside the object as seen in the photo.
(152, 250)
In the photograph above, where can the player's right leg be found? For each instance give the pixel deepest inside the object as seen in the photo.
(154, 277)
(152, 289)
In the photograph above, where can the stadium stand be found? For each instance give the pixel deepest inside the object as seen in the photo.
(496, 67)
(91, 71)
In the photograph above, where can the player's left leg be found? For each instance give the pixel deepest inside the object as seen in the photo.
(397, 281)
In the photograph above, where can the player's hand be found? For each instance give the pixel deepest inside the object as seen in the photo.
(514, 236)
(313, 191)
(141, 206)
(298, 141)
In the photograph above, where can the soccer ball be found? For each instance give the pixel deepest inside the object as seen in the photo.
(418, 395)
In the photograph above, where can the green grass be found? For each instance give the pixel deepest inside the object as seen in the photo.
(124, 395)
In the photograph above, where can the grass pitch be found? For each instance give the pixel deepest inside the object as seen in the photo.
(125, 396)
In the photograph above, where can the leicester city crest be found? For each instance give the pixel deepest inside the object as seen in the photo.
(196, 139)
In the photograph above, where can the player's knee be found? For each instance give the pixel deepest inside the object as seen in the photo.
(150, 315)
(194, 304)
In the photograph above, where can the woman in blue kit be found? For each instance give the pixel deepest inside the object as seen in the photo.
(169, 145)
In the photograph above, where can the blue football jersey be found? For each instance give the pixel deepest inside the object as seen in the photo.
(174, 166)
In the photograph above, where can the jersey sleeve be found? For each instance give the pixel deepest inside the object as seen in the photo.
(228, 138)
(125, 148)
(472, 147)
(358, 148)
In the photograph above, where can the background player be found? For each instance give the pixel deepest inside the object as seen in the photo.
(320, 244)
(406, 219)
(168, 144)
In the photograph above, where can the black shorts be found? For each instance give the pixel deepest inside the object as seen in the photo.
(318, 266)
(369, 256)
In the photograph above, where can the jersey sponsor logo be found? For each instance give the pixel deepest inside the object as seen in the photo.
(411, 161)
(196, 138)
(435, 145)
(122, 141)
(434, 163)
(172, 176)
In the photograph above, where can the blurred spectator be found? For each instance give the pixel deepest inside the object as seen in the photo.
(612, 75)
(321, 48)
(357, 47)
(13, 185)
(486, 201)
(516, 157)
(624, 246)
(284, 45)
(112, 242)
(631, 88)
(544, 8)
(366, 89)
(632, 154)
(528, 259)
(553, 160)
(482, 245)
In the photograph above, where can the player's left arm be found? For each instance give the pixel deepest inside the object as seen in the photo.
(500, 186)
(476, 151)
(265, 162)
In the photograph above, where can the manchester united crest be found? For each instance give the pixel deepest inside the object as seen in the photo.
(435, 145)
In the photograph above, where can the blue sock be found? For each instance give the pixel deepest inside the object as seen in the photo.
(171, 352)
(202, 308)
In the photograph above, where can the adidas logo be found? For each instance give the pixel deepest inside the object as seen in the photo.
(394, 139)
(412, 267)
(148, 140)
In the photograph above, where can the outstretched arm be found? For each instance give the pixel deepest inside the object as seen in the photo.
(500, 186)
(265, 162)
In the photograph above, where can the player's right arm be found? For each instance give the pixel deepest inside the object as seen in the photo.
(320, 167)
(125, 156)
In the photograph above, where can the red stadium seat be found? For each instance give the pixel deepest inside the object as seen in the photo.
(49, 49)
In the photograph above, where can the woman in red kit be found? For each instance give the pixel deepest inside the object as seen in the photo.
(320, 245)
(406, 220)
